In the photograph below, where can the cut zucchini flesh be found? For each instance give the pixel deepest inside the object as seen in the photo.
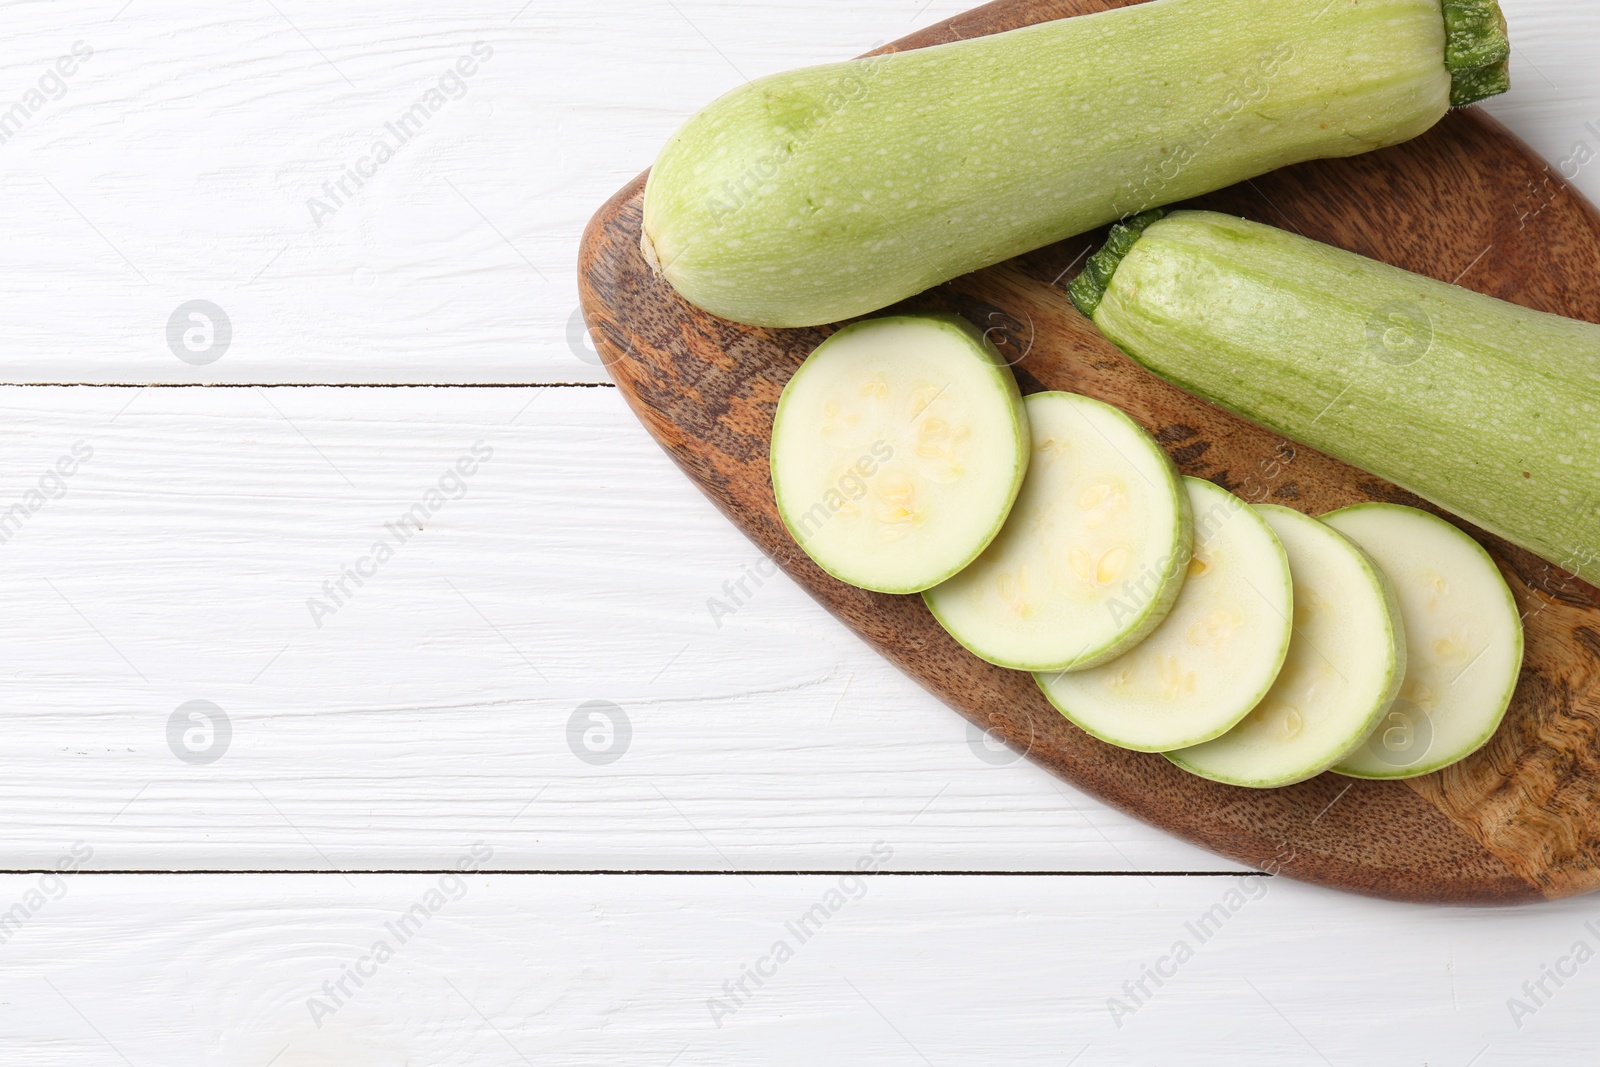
(1213, 658)
(1345, 665)
(897, 451)
(1094, 552)
(1463, 641)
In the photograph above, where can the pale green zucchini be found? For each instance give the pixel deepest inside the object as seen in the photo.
(1464, 641)
(1092, 555)
(1485, 408)
(1346, 662)
(829, 192)
(898, 448)
(1213, 658)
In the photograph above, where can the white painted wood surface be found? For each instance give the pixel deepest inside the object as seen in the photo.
(434, 702)
(505, 970)
(180, 159)
(179, 162)
(434, 705)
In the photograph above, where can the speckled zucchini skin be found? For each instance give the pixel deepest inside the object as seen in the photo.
(1477, 50)
(1485, 408)
(826, 193)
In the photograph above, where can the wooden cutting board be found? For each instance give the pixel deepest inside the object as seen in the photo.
(1467, 202)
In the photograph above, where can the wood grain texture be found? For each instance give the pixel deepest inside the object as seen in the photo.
(508, 971)
(1465, 202)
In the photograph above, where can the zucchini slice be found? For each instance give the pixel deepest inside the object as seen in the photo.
(1463, 641)
(821, 194)
(1213, 658)
(1345, 665)
(897, 451)
(1094, 552)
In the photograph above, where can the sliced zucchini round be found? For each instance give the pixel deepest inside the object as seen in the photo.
(897, 451)
(1094, 552)
(1213, 658)
(1345, 665)
(1463, 641)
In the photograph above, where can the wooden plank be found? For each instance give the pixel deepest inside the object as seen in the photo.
(628, 970)
(434, 700)
(179, 161)
(186, 156)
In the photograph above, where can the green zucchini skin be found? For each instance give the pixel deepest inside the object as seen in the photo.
(1477, 50)
(830, 192)
(1485, 408)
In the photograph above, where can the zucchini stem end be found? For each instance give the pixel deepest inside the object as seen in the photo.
(1089, 287)
(1477, 50)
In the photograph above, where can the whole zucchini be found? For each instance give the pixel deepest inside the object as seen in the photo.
(1485, 408)
(829, 192)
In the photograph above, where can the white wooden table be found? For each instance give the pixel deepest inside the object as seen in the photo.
(301, 668)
